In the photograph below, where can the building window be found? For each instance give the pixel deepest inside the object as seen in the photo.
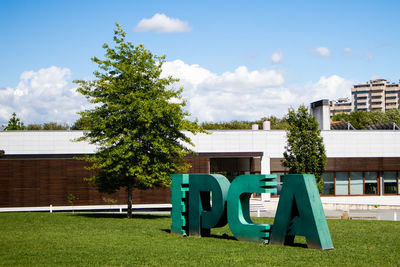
(342, 183)
(371, 183)
(390, 182)
(329, 183)
(230, 167)
(356, 183)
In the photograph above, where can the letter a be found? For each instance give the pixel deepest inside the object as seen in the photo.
(300, 212)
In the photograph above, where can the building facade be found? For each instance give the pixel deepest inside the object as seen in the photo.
(341, 105)
(40, 168)
(376, 95)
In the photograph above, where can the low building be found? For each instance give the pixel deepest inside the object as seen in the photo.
(40, 169)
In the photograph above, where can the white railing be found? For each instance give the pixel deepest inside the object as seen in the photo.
(119, 208)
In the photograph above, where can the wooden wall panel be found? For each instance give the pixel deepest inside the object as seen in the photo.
(42, 181)
(4, 183)
(44, 178)
(276, 165)
(199, 165)
(255, 165)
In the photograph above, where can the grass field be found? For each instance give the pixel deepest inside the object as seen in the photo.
(85, 239)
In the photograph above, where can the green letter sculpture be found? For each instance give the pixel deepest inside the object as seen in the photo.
(300, 212)
(180, 190)
(202, 216)
(239, 206)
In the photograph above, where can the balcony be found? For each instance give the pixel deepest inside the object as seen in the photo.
(391, 94)
(361, 86)
(360, 90)
(362, 106)
(387, 107)
(364, 94)
(377, 93)
(376, 105)
(391, 100)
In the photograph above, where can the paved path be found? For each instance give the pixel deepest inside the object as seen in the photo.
(382, 215)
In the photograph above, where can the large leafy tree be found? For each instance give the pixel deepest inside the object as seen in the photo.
(305, 151)
(137, 120)
(15, 124)
(83, 123)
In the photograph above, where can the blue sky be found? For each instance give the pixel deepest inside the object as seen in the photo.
(236, 59)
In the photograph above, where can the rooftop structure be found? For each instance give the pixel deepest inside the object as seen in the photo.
(320, 109)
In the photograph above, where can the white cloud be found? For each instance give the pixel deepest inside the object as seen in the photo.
(247, 95)
(42, 96)
(348, 52)
(331, 87)
(47, 95)
(241, 94)
(322, 51)
(160, 23)
(276, 57)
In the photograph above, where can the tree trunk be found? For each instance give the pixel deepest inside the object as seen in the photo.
(129, 212)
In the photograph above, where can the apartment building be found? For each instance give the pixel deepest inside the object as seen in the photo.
(376, 95)
(342, 105)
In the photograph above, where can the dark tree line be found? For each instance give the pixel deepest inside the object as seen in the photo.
(359, 119)
(276, 124)
(15, 124)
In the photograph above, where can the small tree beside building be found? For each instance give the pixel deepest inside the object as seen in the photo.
(137, 120)
(305, 150)
(15, 124)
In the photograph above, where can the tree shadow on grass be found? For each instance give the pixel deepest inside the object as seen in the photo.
(119, 215)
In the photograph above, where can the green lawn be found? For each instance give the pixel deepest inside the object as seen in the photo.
(99, 239)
